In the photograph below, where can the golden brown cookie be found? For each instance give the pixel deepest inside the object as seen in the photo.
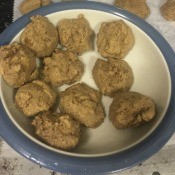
(63, 67)
(75, 34)
(84, 104)
(115, 39)
(168, 10)
(131, 109)
(17, 64)
(138, 7)
(28, 5)
(40, 36)
(112, 76)
(35, 97)
(57, 130)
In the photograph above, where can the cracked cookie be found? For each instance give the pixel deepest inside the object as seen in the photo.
(40, 36)
(63, 67)
(34, 97)
(75, 34)
(137, 7)
(28, 5)
(57, 130)
(115, 39)
(112, 76)
(17, 64)
(131, 109)
(168, 10)
(84, 104)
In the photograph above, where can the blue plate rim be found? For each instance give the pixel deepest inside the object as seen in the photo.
(100, 165)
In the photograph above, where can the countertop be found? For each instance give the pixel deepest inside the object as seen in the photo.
(162, 163)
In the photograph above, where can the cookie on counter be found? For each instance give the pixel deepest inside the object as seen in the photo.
(75, 34)
(137, 7)
(168, 10)
(28, 5)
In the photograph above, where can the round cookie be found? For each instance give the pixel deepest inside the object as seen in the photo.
(63, 67)
(40, 36)
(17, 64)
(75, 34)
(138, 7)
(168, 10)
(57, 130)
(83, 104)
(29, 5)
(112, 76)
(131, 109)
(115, 39)
(34, 97)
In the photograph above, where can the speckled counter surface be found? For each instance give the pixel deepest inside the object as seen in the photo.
(162, 163)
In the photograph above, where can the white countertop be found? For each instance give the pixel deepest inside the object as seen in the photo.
(162, 163)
